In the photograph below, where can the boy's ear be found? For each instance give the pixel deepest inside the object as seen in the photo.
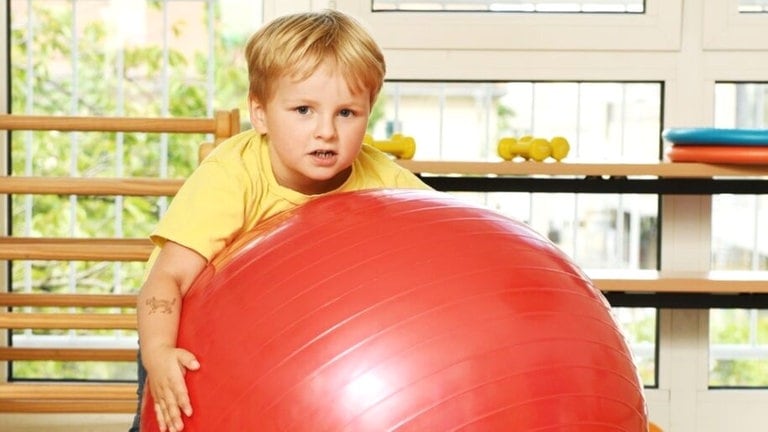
(256, 111)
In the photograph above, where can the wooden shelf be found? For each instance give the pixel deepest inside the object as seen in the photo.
(714, 282)
(529, 168)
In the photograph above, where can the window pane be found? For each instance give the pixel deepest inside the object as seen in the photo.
(640, 329)
(602, 121)
(619, 6)
(739, 338)
(747, 6)
(111, 58)
(464, 121)
(738, 348)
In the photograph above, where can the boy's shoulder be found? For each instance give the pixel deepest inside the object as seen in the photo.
(244, 138)
(374, 168)
(372, 157)
(236, 147)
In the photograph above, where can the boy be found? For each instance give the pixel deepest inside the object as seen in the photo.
(313, 80)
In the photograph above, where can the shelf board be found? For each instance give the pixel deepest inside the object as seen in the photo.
(713, 282)
(577, 168)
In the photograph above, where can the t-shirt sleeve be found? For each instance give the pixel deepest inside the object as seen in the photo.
(375, 164)
(407, 180)
(206, 212)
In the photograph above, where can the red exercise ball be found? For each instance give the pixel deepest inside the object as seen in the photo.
(402, 310)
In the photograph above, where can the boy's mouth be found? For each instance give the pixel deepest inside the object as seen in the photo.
(323, 154)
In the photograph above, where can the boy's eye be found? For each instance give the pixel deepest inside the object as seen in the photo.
(346, 113)
(302, 109)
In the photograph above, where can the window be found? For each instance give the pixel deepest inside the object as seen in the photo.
(602, 121)
(739, 338)
(111, 57)
(618, 6)
(751, 6)
(456, 25)
(738, 348)
(735, 24)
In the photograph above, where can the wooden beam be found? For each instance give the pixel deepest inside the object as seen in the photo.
(109, 124)
(95, 405)
(70, 249)
(67, 391)
(18, 397)
(68, 354)
(15, 299)
(86, 186)
(86, 321)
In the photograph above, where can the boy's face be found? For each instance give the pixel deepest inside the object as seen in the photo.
(315, 128)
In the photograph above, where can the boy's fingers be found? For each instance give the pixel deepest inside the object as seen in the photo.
(160, 417)
(173, 415)
(184, 403)
(188, 361)
(169, 407)
(186, 407)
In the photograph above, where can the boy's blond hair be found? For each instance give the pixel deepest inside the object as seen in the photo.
(295, 45)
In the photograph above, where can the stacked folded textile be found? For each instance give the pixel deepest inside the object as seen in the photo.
(717, 145)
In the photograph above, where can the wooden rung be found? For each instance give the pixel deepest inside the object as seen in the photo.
(68, 391)
(67, 354)
(54, 406)
(67, 249)
(68, 398)
(15, 299)
(85, 186)
(84, 321)
(108, 124)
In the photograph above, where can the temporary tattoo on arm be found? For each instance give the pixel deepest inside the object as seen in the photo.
(160, 305)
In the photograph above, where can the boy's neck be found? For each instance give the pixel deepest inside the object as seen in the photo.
(319, 187)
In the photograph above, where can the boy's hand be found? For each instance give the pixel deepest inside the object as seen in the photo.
(166, 368)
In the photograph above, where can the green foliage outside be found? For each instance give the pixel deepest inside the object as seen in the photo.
(639, 327)
(107, 81)
(742, 330)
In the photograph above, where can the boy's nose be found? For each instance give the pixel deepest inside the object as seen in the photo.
(325, 128)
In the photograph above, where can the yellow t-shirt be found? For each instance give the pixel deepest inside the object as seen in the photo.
(234, 189)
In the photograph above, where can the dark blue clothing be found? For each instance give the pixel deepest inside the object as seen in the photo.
(142, 378)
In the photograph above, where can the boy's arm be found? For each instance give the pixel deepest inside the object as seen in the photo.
(158, 310)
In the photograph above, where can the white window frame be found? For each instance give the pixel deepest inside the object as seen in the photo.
(727, 29)
(656, 29)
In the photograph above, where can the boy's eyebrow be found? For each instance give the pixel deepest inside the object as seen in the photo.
(308, 100)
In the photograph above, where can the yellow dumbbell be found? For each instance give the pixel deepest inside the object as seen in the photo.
(560, 148)
(399, 146)
(536, 149)
(526, 147)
